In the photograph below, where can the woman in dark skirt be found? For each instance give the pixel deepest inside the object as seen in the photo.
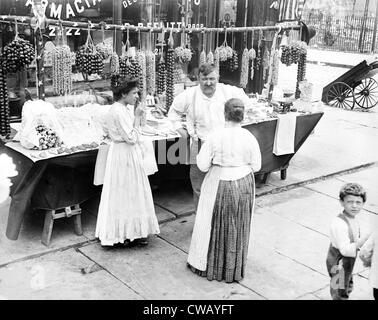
(230, 156)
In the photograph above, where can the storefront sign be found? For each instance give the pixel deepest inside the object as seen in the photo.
(71, 10)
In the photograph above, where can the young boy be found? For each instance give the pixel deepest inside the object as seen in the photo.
(345, 241)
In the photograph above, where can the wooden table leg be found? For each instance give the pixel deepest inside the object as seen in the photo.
(77, 225)
(283, 174)
(47, 228)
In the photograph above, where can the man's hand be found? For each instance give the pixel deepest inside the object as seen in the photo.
(182, 132)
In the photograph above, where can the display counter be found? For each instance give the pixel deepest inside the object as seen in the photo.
(66, 180)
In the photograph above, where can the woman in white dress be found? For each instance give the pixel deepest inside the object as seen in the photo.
(230, 156)
(126, 211)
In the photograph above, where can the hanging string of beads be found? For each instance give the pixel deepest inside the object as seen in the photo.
(274, 61)
(182, 53)
(150, 68)
(142, 74)
(216, 54)
(259, 45)
(301, 73)
(202, 58)
(252, 57)
(18, 54)
(88, 59)
(210, 55)
(266, 63)
(61, 65)
(232, 64)
(170, 68)
(4, 103)
(225, 51)
(162, 71)
(244, 65)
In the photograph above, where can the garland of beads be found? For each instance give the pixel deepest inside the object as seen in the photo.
(301, 73)
(265, 64)
(225, 51)
(150, 72)
(259, 44)
(210, 55)
(62, 70)
(252, 57)
(161, 76)
(244, 69)
(170, 67)
(18, 54)
(4, 104)
(275, 67)
(142, 76)
(114, 64)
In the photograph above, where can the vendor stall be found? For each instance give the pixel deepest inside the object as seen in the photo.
(71, 176)
(62, 130)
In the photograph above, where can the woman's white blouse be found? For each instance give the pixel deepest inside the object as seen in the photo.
(120, 123)
(235, 149)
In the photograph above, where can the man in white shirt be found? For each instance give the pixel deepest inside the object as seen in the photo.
(203, 106)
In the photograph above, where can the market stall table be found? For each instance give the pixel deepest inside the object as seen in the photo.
(67, 180)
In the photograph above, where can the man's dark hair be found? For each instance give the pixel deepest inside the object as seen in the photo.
(206, 68)
(124, 86)
(234, 110)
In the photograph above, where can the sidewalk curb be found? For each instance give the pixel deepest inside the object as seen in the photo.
(317, 179)
(331, 64)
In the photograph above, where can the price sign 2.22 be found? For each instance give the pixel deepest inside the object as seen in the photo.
(69, 31)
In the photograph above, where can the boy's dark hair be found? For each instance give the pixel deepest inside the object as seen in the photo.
(234, 110)
(124, 86)
(206, 68)
(352, 189)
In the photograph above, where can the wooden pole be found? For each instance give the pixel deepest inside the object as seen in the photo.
(117, 20)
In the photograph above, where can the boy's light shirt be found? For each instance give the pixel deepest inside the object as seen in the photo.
(339, 236)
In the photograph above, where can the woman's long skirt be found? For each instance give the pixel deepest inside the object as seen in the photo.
(230, 230)
(126, 209)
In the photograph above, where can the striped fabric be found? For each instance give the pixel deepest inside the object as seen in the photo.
(230, 230)
(290, 10)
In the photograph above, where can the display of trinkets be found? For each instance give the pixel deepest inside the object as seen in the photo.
(4, 104)
(183, 54)
(47, 138)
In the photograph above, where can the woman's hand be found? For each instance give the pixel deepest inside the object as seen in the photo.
(140, 110)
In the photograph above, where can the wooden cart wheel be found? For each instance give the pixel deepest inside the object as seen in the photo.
(366, 92)
(340, 95)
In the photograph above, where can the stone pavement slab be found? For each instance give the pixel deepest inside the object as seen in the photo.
(361, 291)
(58, 276)
(29, 240)
(179, 201)
(159, 272)
(290, 239)
(278, 277)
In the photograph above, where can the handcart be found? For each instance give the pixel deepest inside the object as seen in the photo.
(356, 86)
